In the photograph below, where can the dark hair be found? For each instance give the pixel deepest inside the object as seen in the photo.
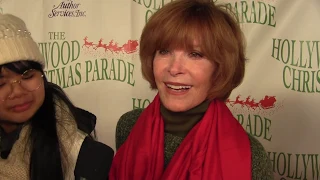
(45, 160)
(179, 23)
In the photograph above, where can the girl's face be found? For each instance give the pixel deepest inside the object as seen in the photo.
(20, 95)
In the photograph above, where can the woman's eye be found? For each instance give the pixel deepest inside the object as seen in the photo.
(163, 52)
(27, 76)
(2, 82)
(196, 55)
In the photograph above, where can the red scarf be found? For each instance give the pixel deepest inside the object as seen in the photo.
(216, 148)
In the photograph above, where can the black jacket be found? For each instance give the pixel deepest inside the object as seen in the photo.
(95, 158)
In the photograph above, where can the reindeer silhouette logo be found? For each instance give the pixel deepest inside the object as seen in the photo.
(267, 102)
(86, 43)
(130, 46)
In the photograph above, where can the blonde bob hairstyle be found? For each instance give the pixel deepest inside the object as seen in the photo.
(180, 23)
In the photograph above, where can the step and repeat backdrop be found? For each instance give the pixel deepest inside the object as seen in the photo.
(91, 51)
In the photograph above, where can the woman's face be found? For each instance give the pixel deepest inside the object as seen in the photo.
(183, 77)
(20, 96)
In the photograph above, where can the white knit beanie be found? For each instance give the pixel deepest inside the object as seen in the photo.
(16, 43)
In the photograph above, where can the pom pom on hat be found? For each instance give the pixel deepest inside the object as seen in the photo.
(16, 43)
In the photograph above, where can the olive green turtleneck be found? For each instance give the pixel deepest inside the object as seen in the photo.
(180, 123)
